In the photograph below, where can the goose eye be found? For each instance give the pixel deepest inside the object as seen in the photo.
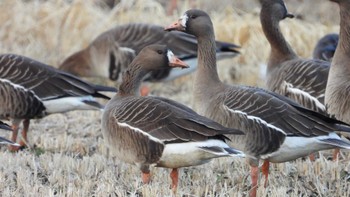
(160, 52)
(193, 16)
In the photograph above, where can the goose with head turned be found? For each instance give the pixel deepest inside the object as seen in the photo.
(30, 89)
(112, 51)
(302, 80)
(325, 47)
(276, 128)
(337, 90)
(157, 131)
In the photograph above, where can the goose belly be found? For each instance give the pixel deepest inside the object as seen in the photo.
(187, 154)
(296, 147)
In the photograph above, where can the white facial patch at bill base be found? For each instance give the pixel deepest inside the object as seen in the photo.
(170, 55)
(184, 20)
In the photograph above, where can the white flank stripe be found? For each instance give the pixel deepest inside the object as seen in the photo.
(297, 91)
(66, 104)
(184, 20)
(127, 49)
(256, 119)
(140, 131)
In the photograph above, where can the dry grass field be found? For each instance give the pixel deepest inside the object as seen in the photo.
(67, 154)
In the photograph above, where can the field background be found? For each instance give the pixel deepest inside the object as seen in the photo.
(68, 156)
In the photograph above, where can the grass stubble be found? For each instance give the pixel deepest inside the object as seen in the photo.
(68, 156)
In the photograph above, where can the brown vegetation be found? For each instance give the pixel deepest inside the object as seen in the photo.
(68, 156)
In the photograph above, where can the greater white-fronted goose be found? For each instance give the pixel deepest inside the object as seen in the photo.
(157, 131)
(338, 86)
(325, 47)
(4, 140)
(277, 129)
(112, 51)
(303, 80)
(30, 89)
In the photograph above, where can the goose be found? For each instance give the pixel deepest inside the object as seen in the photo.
(325, 47)
(4, 140)
(112, 51)
(276, 128)
(337, 90)
(303, 80)
(149, 130)
(31, 89)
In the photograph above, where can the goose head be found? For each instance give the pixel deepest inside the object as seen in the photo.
(194, 21)
(275, 8)
(157, 57)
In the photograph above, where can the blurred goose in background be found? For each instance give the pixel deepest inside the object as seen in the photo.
(338, 86)
(157, 131)
(30, 89)
(276, 128)
(4, 140)
(112, 51)
(325, 47)
(302, 80)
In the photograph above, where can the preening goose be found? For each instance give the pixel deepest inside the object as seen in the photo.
(30, 89)
(338, 86)
(4, 140)
(303, 80)
(276, 128)
(325, 47)
(112, 51)
(157, 131)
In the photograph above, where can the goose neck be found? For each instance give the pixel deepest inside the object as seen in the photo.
(207, 71)
(132, 79)
(280, 48)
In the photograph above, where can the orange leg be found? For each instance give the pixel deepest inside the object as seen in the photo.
(144, 91)
(15, 127)
(146, 177)
(336, 154)
(254, 174)
(24, 140)
(312, 157)
(172, 7)
(265, 170)
(174, 175)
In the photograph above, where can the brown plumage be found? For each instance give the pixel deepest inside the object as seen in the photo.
(338, 86)
(30, 89)
(157, 131)
(111, 52)
(302, 80)
(276, 128)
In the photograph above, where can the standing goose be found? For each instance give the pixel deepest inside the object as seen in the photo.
(30, 89)
(302, 80)
(112, 51)
(157, 131)
(325, 47)
(337, 91)
(276, 128)
(4, 140)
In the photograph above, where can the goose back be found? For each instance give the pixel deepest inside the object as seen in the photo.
(45, 81)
